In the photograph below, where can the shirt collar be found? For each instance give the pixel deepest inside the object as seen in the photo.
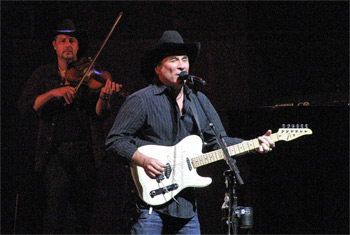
(159, 89)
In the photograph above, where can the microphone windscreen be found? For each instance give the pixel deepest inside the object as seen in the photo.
(183, 75)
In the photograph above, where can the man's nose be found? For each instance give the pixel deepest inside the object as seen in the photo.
(68, 43)
(181, 65)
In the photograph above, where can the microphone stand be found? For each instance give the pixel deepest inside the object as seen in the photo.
(232, 175)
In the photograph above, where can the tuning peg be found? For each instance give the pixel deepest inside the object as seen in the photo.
(306, 125)
(293, 126)
(283, 125)
(288, 125)
(297, 125)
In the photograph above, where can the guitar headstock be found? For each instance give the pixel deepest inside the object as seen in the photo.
(292, 132)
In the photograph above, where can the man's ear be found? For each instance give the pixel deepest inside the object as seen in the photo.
(157, 69)
(54, 45)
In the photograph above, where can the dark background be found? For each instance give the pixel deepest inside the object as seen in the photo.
(266, 63)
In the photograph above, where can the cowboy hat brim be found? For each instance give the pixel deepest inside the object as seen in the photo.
(67, 27)
(155, 54)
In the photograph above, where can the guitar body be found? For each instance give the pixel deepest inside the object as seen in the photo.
(178, 175)
(184, 158)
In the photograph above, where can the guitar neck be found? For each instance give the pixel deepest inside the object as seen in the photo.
(233, 150)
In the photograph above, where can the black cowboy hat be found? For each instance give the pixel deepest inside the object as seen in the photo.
(171, 43)
(67, 27)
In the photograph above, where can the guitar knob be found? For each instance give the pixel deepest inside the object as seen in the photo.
(160, 178)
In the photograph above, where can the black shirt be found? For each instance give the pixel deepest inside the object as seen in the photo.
(152, 116)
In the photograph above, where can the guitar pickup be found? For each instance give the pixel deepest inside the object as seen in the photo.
(167, 171)
(163, 190)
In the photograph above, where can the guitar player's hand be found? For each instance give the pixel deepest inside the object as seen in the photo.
(153, 167)
(266, 143)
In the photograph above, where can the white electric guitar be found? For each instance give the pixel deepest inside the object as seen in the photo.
(184, 158)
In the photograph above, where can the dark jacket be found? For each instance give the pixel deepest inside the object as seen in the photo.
(46, 78)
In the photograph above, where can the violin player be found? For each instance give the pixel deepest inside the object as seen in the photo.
(70, 142)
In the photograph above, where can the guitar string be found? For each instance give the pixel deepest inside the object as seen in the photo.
(207, 156)
(166, 190)
(230, 148)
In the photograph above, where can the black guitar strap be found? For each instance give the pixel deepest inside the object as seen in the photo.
(195, 115)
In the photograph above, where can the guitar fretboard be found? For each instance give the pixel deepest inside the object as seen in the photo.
(233, 150)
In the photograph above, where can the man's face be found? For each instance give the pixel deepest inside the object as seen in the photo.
(169, 69)
(66, 47)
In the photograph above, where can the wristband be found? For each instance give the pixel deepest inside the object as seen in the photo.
(104, 98)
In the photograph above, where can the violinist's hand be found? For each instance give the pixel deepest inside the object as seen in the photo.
(67, 92)
(266, 143)
(110, 89)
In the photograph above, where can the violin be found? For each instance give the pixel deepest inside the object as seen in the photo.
(93, 79)
(82, 72)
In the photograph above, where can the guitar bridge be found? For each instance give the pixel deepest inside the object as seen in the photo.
(163, 190)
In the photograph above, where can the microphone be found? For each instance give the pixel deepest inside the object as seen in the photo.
(191, 79)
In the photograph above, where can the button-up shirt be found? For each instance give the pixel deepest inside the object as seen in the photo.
(152, 116)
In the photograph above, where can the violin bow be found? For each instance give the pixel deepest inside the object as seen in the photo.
(99, 51)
